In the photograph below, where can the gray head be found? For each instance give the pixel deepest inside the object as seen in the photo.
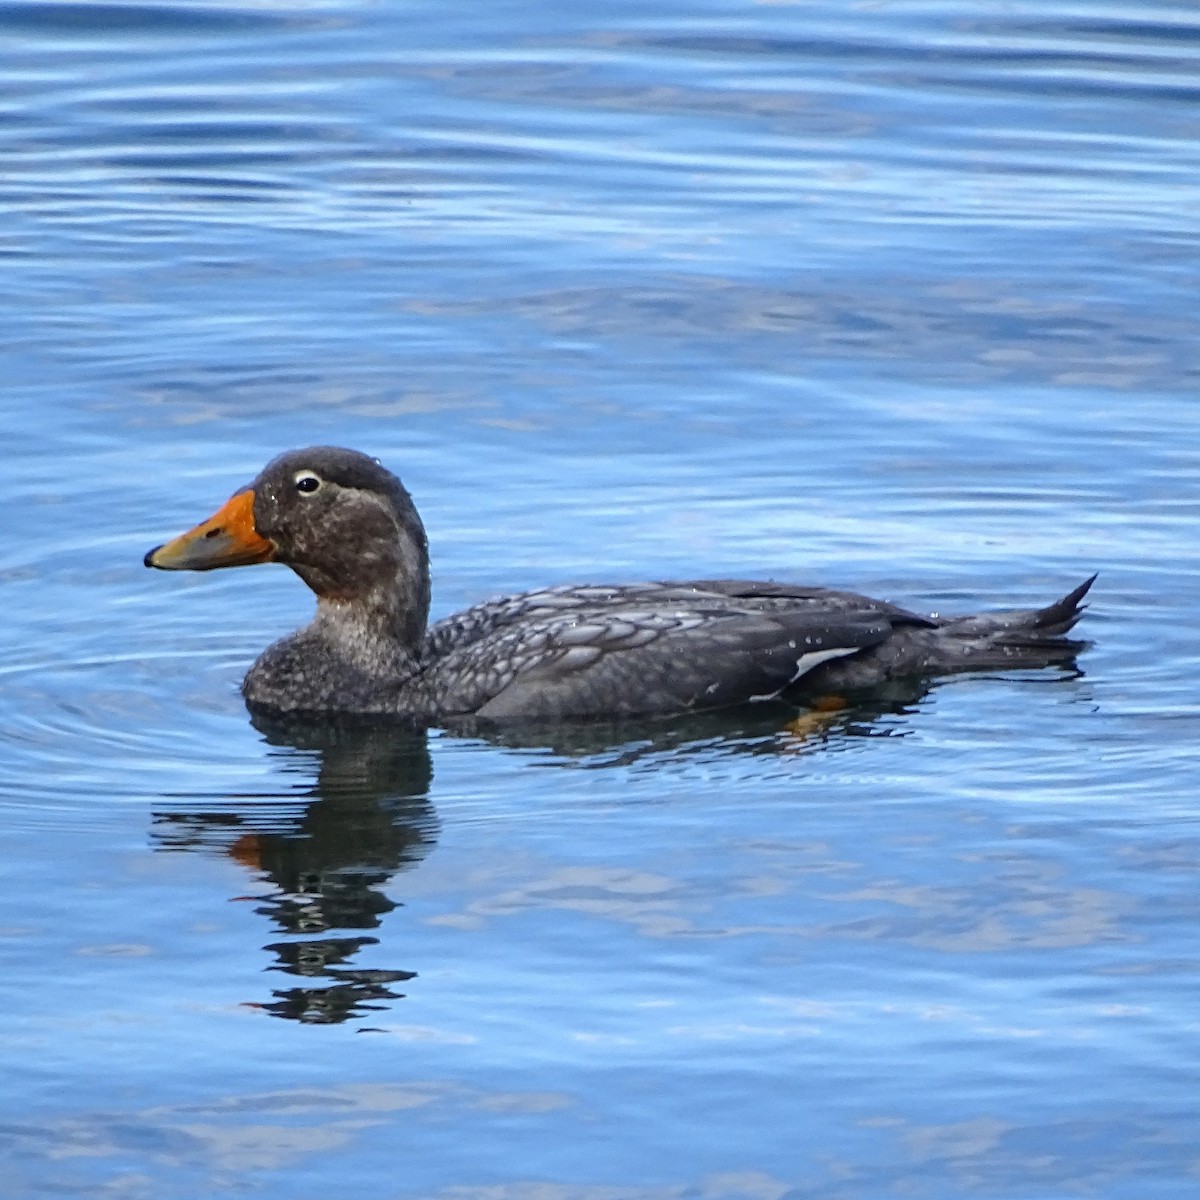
(342, 521)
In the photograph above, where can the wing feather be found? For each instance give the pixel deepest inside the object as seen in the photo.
(640, 651)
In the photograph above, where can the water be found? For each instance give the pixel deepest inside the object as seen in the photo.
(898, 296)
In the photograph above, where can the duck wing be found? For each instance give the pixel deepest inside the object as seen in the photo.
(643, 648)
(707, 595)
(769, 594)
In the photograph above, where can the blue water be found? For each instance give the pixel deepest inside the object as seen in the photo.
(896, 296)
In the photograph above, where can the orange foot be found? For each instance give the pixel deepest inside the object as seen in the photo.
(819, 718)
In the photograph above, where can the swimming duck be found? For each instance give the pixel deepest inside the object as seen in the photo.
(348, 527)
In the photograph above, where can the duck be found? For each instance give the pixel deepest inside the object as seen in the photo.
(349, 528)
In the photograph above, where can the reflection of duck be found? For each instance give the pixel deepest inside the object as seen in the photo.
(751, 731)
(372, 819)
(349, 529)
(366, 817)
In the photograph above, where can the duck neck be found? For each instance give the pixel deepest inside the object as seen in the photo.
(381, 630)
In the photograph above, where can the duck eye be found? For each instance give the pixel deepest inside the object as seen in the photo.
(306, 482)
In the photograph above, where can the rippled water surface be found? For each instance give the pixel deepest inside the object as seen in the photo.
(895, 295)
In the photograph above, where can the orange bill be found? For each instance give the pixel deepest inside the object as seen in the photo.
(227, 539)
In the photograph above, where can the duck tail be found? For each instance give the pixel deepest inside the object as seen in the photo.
(1033, 637)
(1059, 618)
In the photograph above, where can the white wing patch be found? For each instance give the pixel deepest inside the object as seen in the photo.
(805, 663)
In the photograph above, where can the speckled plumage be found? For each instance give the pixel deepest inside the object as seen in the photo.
(566, 652)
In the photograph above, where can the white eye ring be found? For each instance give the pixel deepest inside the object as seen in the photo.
(307, 482)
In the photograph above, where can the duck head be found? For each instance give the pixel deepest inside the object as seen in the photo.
(343, 522)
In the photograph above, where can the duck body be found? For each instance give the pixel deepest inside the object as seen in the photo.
(348, 527)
